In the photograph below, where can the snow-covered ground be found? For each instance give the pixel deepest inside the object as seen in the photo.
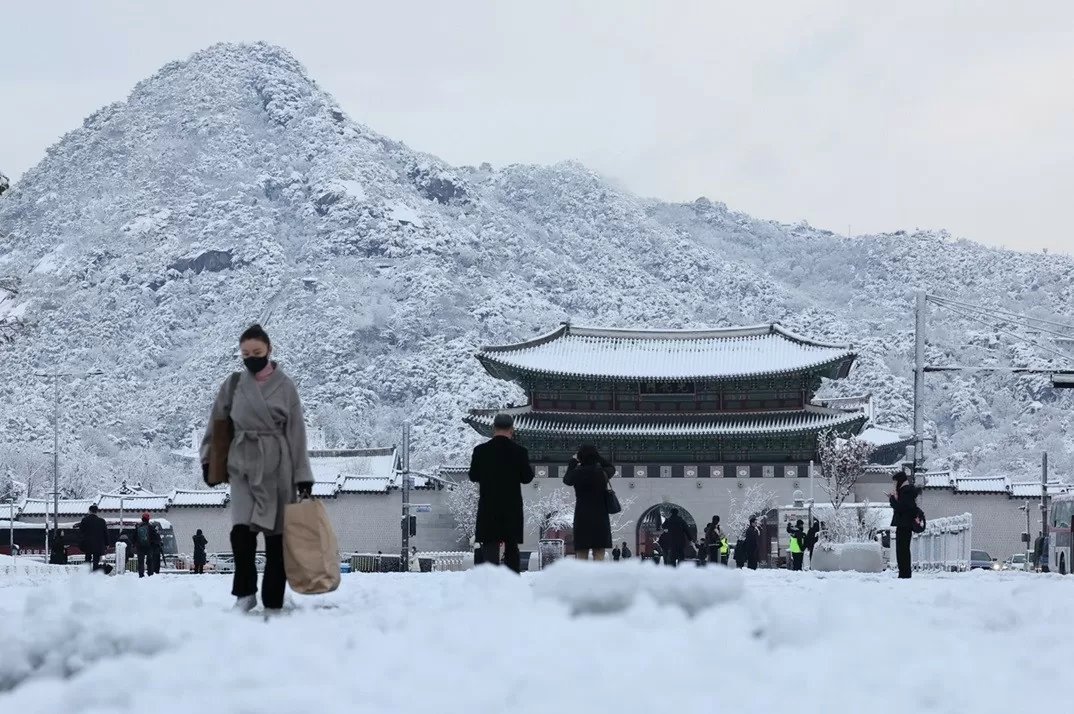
(576, 638)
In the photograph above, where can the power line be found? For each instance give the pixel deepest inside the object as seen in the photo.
(937, 299)
(1015, 335)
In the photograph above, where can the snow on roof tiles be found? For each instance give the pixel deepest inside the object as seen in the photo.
(984, 484)
(139, 502)
(1031, 489)
(610, 425)
(666, 354)
(879, 436)
(200, 497)
(41, 507)
(364, 484)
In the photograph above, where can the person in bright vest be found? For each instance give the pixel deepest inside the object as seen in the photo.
(797, 549)
(725, 550)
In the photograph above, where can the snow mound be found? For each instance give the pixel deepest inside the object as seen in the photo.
(605, 588)
(68, 627)
(856, 557)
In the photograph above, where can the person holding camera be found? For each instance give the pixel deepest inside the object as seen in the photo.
(589, 474)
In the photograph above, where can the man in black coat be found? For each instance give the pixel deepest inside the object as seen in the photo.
(753, 544)
(499, 467)
(678, 533)
(94, 534)
(625, 551)
(200, 541)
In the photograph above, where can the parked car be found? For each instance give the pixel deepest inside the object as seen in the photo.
(1015, 562)
(980, 560)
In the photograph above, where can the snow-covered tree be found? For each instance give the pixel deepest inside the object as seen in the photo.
(5, 183)
(842, 464)
(552, 510)
(461, 499)
(27, 465)
(753, 500)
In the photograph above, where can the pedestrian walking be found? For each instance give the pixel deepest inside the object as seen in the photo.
(616, 554)
(500, 467)
(678, 533)
(713, 539)
(903, 502)
(200, 541)
(143, 546)
(156, 543)
(626, 554)
(753, 544)
(590, 474)
(797, 543)
(93, 532)
(725, 550)
(268, 465)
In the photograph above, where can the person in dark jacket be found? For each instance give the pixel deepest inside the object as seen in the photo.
(589, 474)
(797, 543)
(199, 552)
(616, 554)
(812, 537)
(740, 553)
(58, 548)
(678, 535)
(753, 544)
(143, 546)
(713, 538)
(904, 505)
(500, 467)
(626, 551)
(94, 534)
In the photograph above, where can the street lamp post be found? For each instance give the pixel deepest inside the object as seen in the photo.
(55, 377)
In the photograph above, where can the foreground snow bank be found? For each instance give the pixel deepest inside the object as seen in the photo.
(596, 588)
(855, 557)
(487, 641)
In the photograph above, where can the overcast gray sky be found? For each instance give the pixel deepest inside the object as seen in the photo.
(938, 114)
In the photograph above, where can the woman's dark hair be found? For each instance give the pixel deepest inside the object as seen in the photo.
(899, 478)
(255, 332)
(587, 454)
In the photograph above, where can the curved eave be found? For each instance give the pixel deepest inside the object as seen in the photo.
(850, 424)
(835, 368)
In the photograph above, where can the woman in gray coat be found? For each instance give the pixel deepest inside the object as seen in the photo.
(268, 463)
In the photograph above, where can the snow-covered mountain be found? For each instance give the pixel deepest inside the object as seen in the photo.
(229, 188)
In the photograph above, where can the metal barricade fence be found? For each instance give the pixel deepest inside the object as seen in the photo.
(944, 545)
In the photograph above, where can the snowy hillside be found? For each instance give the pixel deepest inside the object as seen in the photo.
(229, 188)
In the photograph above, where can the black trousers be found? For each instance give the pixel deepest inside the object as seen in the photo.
(244, 582)
(902, 551)
(714, 554)
(796, 560)
(199, 567)
(751, 563)
(724, 558)
(144, 559)
(512, 557)
(94, 559)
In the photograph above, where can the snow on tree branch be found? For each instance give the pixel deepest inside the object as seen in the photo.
(461, 500)
(755, 500)
(842, 463)
(5, 183)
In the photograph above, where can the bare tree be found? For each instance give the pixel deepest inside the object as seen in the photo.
(842, 463)
(755, 500)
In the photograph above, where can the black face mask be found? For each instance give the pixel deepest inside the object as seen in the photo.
(256, 364)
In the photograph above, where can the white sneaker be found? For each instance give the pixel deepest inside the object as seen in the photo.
(245, 603)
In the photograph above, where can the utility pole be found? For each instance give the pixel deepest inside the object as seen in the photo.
(919, 386)
(1029, 538)
(1044, 511)
(405, 521)
(55, 453)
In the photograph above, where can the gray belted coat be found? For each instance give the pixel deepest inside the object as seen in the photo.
(268, 456)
